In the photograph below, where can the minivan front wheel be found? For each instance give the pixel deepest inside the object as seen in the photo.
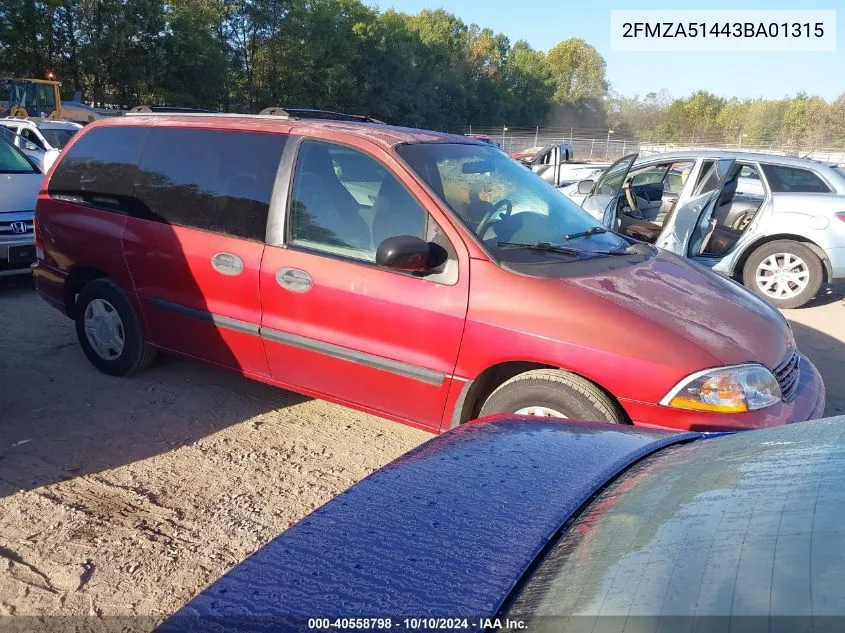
(785, 273)
(109, 331)
(553, 393)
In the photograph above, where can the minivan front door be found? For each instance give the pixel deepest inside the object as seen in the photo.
(334, 323)
(601, 203)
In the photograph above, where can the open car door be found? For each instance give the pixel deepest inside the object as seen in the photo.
(690, 222)
(601, 203)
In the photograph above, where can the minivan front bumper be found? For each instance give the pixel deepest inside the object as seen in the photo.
(808, 404)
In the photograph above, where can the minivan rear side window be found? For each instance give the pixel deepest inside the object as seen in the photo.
(214, 180)
(100, 168)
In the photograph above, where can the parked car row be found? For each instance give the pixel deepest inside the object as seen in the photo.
(776, 223)
(424, 277)
(430, 279)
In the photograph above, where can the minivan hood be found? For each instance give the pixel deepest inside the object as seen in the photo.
(20, 191)
(716, 314)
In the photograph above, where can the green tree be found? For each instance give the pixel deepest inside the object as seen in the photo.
(578, 71)
(806, 120)
(194, 60)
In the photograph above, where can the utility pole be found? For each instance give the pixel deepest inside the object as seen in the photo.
(607, 143)
(504, 129)
(536, 135)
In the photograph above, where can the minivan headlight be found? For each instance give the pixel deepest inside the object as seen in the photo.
(726, 390)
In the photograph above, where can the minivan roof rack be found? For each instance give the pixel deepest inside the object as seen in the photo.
(309, 113)
(154, 109)
(283, 113)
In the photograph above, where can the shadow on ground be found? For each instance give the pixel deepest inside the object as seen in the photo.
(60, 418)
(826, 296)
(828, 355)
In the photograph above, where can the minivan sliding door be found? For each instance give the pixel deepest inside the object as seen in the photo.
(195, 240)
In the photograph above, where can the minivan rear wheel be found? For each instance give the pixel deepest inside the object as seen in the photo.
(785, 273)
(553, 393)
(109, 331)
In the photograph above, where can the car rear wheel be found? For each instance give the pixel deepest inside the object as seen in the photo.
(785, 273)
(109, 331)
(553, 393)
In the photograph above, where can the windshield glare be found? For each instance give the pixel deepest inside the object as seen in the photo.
(501, 201)
(57, 138)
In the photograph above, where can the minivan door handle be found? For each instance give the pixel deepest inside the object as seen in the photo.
(227, 264)
(294, 279)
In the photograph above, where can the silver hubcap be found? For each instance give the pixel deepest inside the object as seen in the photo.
(782, 276)
(540, 412)
(104, 329)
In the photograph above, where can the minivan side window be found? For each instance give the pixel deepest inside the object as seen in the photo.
(214, 180)
(793, 180)
(335, 212)
(100, 168)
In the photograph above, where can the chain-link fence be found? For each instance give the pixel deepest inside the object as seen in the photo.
(602, 145)
(587, 145)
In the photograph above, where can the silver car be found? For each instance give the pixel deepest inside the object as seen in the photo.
(774, 222)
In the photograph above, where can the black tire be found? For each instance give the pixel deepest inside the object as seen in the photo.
(567, 393)
(136, 353)
(813, 266)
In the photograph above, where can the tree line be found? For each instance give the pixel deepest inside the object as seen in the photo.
(429, 69)
(799, 121)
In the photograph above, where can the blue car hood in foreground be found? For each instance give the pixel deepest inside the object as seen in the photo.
(447, 529)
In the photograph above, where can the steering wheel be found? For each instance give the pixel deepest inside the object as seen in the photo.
(482, 226)
(632, 205)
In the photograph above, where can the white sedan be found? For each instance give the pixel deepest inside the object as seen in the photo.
(41, 141)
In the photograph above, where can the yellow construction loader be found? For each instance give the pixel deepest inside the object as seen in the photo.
(41, 99)
(31, 98)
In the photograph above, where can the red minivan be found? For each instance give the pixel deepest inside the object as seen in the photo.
(420, 276)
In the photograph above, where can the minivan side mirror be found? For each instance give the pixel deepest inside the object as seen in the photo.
(586, 186)
(404, 252)
(29, 145)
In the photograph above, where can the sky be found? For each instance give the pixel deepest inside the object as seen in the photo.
(544, 23)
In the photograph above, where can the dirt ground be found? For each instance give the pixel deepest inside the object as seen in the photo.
(127, 496)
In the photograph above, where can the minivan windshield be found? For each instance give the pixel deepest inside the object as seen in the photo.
(507, 206)
(12, 161)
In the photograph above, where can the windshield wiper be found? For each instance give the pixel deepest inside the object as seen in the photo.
(543, 246)
(566, 250)
(592, 231)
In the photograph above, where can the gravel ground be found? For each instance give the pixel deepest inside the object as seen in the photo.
(127, 496)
